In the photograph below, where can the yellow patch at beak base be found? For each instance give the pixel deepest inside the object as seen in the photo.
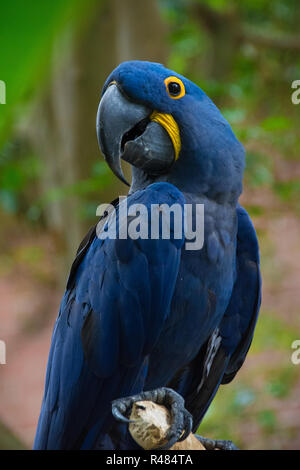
(170, 125)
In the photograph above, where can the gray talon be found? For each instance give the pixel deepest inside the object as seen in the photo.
(181, 418)
(226, 445)
(188, 425)
(119, 408)
(211, 444)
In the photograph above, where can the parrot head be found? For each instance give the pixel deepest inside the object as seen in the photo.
(168, 129)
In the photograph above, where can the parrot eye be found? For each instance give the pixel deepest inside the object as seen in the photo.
(175, 87)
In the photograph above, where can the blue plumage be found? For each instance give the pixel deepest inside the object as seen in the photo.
(145, 313)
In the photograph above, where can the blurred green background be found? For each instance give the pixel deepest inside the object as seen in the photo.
(54, 58)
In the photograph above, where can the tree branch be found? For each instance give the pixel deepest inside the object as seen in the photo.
(151, 425)
(215, 20)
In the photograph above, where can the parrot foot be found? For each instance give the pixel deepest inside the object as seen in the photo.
(181, 419)
(211, 444)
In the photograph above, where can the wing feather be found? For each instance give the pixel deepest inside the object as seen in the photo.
(118, 296)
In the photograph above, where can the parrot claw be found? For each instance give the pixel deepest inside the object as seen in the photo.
(211, 444)
(181, 419)
(121, 406)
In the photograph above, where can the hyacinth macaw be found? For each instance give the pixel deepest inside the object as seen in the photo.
(148, 318)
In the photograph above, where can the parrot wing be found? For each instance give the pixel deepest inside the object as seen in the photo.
(117, 298)
(221, 357)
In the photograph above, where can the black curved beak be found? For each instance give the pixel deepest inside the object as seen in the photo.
(125, 130)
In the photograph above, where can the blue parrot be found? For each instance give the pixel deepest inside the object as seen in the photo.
(148, 318)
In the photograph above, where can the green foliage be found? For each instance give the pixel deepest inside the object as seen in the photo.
(28, 32)
(8, 441)
(281, 382)
(100, 178)
(267, 421)
(18, 171)
(259, 170)
(231, 406)
(289, 192)
(272, 333)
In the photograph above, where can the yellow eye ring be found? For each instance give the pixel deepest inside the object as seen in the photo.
(175, 87)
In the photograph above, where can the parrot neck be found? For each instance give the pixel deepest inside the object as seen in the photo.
(186, 183)
(140, 179)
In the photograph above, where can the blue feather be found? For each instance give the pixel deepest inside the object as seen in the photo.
(146, 313)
